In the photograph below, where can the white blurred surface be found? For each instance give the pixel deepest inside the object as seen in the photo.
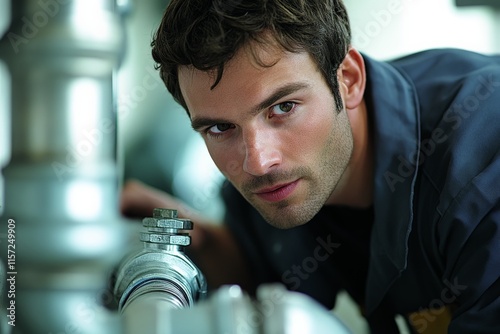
(389, 28)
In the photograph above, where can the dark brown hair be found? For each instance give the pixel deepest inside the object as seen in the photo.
(206, 34)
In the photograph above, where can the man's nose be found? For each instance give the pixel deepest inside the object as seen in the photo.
(261, 152)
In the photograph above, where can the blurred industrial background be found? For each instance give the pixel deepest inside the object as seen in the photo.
(155, 140)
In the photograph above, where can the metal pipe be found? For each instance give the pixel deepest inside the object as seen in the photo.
(61, 193)
(230, 310)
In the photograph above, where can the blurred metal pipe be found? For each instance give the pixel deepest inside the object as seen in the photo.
(61, 182)
(4, 16)
(230, 310)
(5, 13)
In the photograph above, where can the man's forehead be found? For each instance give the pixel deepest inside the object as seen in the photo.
(258, 54)
(188, 74)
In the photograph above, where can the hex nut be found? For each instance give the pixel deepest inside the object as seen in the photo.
(169, 239)
(180, 224)
(164, 213)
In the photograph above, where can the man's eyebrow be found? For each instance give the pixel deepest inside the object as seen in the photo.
(199, 123)
(278, 94)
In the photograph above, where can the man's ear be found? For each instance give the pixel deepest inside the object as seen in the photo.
(352, 78)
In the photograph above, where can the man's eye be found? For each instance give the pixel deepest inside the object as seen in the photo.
(219, 128)
(283, 108)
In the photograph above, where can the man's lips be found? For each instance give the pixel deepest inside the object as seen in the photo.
(278, 192)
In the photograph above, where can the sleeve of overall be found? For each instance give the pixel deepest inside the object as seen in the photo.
(469, 230)
(472, 253)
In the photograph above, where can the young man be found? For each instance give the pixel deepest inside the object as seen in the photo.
(381, 179)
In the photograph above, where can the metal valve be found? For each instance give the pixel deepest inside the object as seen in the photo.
(160, 270)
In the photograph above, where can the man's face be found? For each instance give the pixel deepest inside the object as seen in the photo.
(272, 131)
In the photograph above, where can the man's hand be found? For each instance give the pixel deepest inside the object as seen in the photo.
(138, 200)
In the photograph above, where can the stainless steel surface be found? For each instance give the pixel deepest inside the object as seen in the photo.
(160, 269)
(5, 123)
(230, 310)
(61, 181)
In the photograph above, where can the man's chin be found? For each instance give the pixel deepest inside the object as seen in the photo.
(286, 225)
(285, 218)
(289, 213)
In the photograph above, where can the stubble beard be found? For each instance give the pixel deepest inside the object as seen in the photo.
(290, 213)
(334, 160)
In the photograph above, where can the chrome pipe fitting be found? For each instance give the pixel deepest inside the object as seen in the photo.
(160, 272)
